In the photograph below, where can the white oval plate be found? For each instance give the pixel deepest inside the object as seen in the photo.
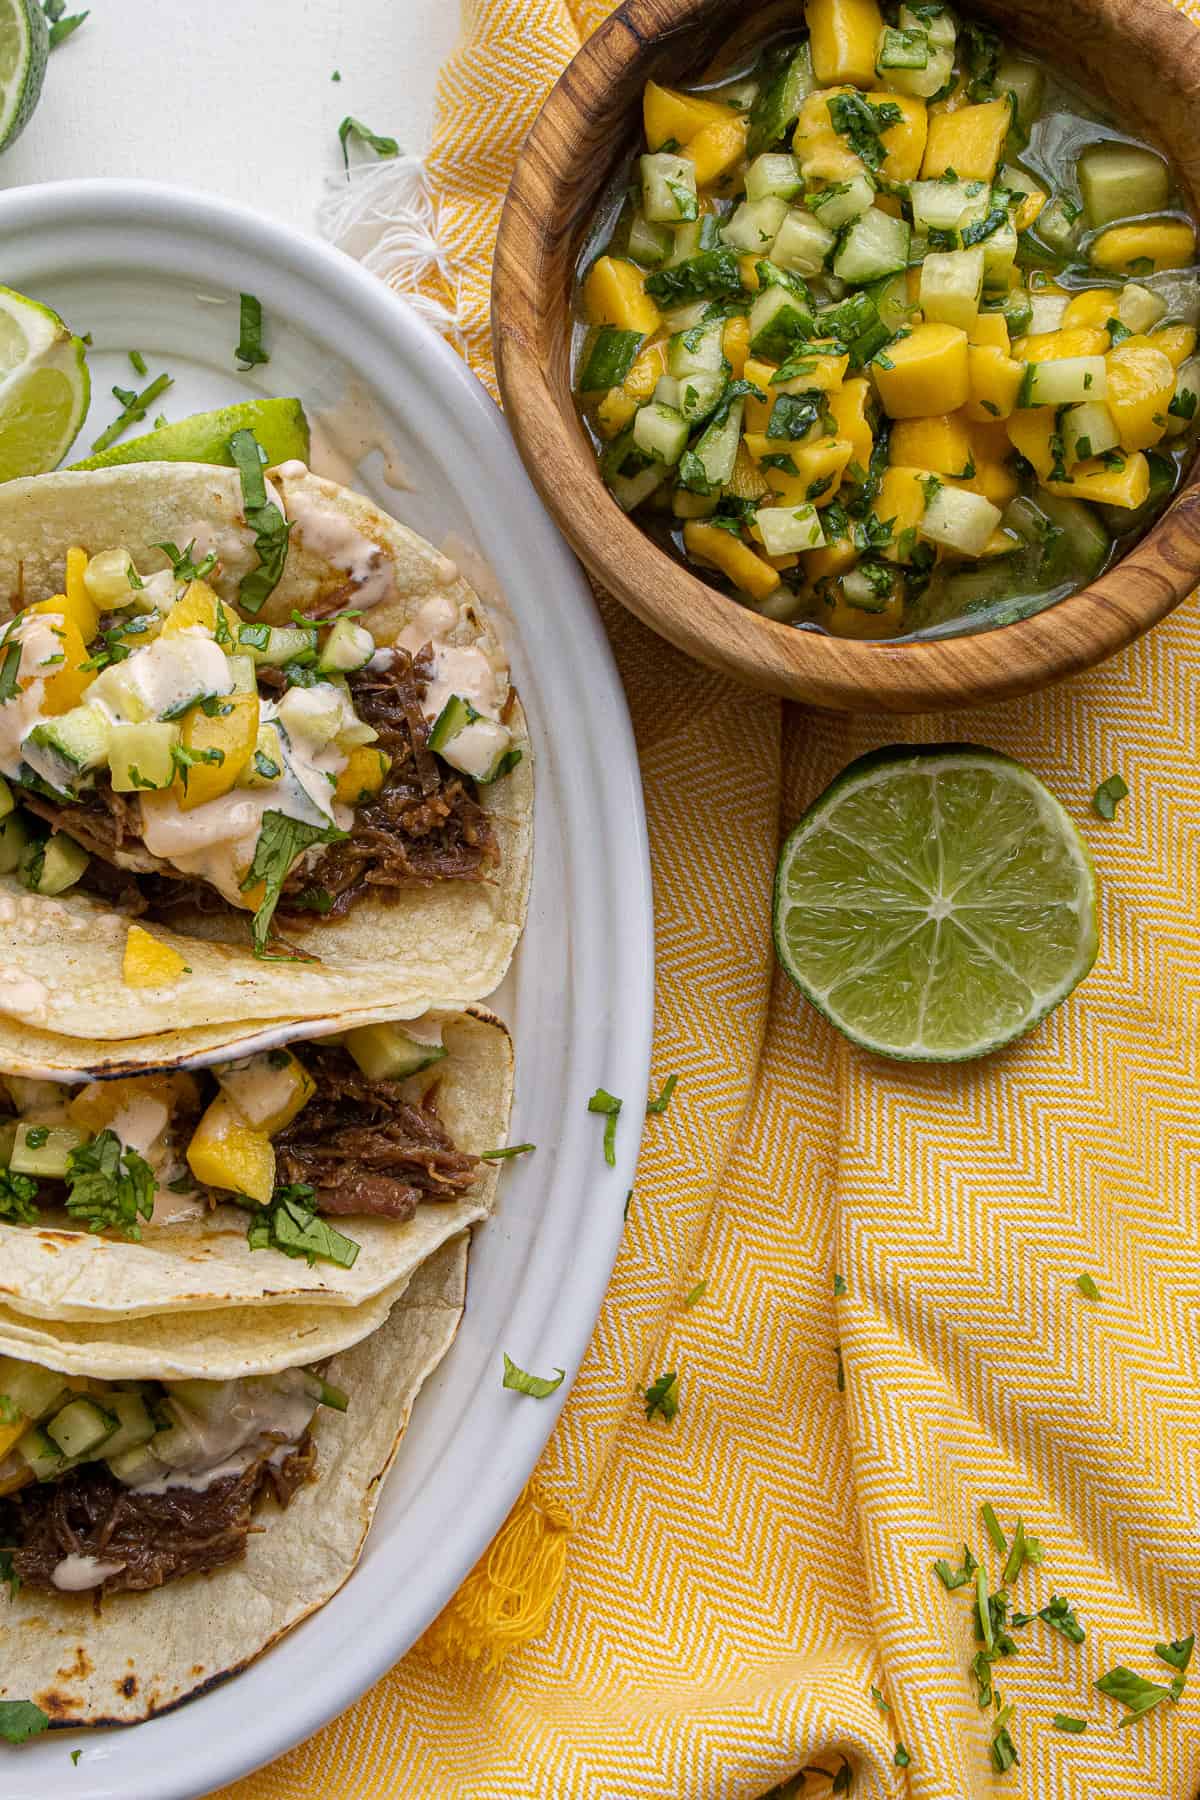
(155, 269)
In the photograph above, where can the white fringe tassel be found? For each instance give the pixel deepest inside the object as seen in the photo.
(384, 216)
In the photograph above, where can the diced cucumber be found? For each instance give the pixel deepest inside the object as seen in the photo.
(961, 520)
(1179, 290)
(773, 174)
(685, 243)
(778, 321)
(837, 204)
(388, 1053)
(867, 594)
(1024, 81)
(1070, 380)
(936, 21)
(454, 717)
(80, 1428)
(710, 464)
(922, 83)
(699, 350)
(874, 246)
(890, 297)
(14, 837)
(948, 205)
(855, 322)
(52, 865)
(1119, 181)
(699, 395)
(787, 529)
(752, 228)
(242, 674)
(1082, 550)
(783, 604)
(1058, 225)
(1088, 430)
(787, 83)
(276, 644)
(133, 1425)
(649, 244)
(999, 254)
(951, 285)
(899, 49)
(135, 1467)
(348, 647)
(666, 391)
(1138, 308)
(661, 432)
(68, 746)
(685, 318)
(802, 243)
(1181, 413)
(1017, 312)
(139, 756)
(629, 491)
(30, 1389)
(613, 353)
(668, 188)
(43, 1150)
(1045, 312)
(40, 1454)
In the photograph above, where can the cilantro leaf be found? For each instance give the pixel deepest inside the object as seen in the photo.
(1104, 800)
(8, 672)
(664, 1099)
(280, 841)
(374, 140)
(1178, 1653)
(1133, 1691)
(709, 276)
(271, 530)
(662, 1396)
(1087, 1287)
(1068, 1722)
(111, 1186)
(18, 1195)
(508, 1151)
(136, 409)
(250, 345)
(538, 1386)
(608, 1104)
(184, 566)
(20, 1720)
(291, 1224)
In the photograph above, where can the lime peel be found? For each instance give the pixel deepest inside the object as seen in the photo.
(935, 902)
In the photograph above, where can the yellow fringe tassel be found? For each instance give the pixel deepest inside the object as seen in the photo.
(506, 1599)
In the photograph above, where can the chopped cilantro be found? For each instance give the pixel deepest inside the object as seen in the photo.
(539, 1386)
(696, 1293)
(184, 566)
(504, 1154)
(271, 530)
(136, 409)
(1104, 800)
(1132, 1691)
(110, 1187)
(281, 840)
(20, 1720)
(709, 276)
(610, 1106)
(362, 134)
(291, 1224)
(1068, 1722)
(8, 672)
(664, 1099)
(1087, 1287)
(855, 118)
(18, 1196)
(250, 345)
(662, 1396)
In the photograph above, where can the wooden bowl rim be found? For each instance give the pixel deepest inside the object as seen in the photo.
(854, 675)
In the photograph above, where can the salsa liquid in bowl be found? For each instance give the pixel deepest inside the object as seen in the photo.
(888, 330)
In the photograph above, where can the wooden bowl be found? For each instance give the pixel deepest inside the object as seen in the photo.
(1142, 55)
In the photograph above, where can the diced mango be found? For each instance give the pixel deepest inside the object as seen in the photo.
(669, 114)
(721, 550)
(848, 404)
(735, 342)
(1001, 543)
(843, 35)
(1094, 480)
(833, 559)
(84, 610)
(822, 154)
(747, 481)
(820, 466)
(748, 273)
(1169, 244)
(10, 1434)
(1052, 346)
(995, 381)
(991, 329)
(267, 1091)
(615, 412)
(900, 503)
(847, 621)
(648, 365)
(904, 143)
(200, 605)
(227, 1153)
(95, 1106)
(1175, 341)
(941, 443)
(614, 294)
(65, 681)
(223, 741)
(955, 100)
(147, 963)
(968, 141)
(889, 204)
(1095, 307)
(1030, 429)
(81, 611)
(717, 148)
(929, 373)
(991, 453)
(1029, 209)
(364, 774)
(1141, 386)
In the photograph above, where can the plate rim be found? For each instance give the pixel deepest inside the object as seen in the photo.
(221, 1736)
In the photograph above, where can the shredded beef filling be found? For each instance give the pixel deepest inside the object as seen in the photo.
(156, 1537)
(425, 824)
(364, 1148)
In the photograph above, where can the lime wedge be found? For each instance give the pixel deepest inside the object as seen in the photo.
(279, 425)
(935, 902)
(44, 386)
(24, 47)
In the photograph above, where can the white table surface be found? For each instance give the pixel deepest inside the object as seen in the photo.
(233, 96)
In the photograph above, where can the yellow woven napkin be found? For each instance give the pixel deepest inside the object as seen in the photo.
(697, 1611)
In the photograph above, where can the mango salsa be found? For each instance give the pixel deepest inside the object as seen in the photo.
(225, 1152)
(149, 963)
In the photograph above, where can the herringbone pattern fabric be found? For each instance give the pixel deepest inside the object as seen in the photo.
(738, 1579)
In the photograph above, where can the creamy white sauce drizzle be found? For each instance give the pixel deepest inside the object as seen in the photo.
(40, 645)
(76, 1574)
(250, 1420)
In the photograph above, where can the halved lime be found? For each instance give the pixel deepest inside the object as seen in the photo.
(279, 425)
(24, 47)
(44, 386)
(935, 902)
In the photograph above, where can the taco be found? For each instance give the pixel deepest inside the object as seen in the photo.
(157, 1535)
(265, 721)
(316, 1174)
